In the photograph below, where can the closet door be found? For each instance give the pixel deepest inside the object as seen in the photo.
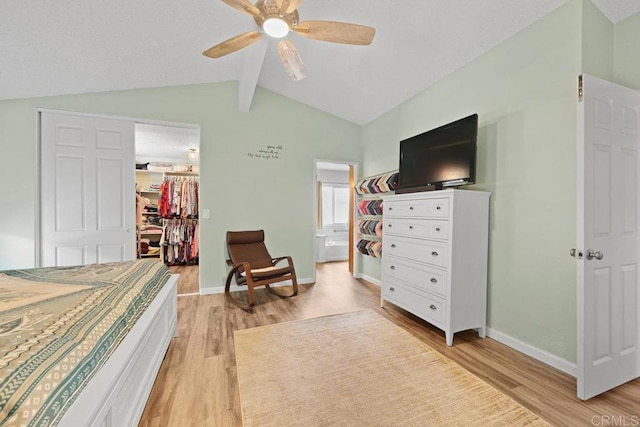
(87, 189)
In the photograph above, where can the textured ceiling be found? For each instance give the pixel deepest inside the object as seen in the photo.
(165, 143)
(77, 46)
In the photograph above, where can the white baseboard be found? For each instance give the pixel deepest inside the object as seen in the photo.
(538, 354)
(368, 279)
(220, 289)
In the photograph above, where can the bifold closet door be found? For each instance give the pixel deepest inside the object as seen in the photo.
(86, 190)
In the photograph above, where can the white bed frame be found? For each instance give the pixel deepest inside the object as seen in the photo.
(117, 394)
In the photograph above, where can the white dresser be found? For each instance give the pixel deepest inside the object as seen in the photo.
(434, 257)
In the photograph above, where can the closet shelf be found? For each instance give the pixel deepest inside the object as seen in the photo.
(365, 236)
(196, 174)
(372, 217)
(151, 233)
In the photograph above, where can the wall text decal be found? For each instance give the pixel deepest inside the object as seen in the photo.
(267, 152)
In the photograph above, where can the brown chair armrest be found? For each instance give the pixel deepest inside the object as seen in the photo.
(246, 265)
(277, 260)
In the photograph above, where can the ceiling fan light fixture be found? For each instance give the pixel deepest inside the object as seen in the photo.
(291, 60)
(275, 27)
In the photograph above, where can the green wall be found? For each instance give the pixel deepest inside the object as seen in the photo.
(524, 91)
(597, 42)
(627, 58)
(241, 192)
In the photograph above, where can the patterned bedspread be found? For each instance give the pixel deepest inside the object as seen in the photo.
(59, 325)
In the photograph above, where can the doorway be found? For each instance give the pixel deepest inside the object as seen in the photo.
(334, 215)
(167, 168)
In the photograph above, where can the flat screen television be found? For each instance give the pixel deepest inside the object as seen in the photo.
(439, 158)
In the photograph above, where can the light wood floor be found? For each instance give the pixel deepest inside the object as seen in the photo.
(197, 383)
(188, 282)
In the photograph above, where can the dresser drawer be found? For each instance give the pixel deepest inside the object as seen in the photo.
(432, 252)
(427, 307)
(421, 228)
(435, 208)
(421, 277)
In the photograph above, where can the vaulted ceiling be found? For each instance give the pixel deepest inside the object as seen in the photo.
(77, 46)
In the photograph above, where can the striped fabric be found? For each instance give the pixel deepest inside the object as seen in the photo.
(59, 325)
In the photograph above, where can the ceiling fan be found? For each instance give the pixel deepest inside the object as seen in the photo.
(277, 18)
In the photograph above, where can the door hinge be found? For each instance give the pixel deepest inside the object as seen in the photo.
(580, 88)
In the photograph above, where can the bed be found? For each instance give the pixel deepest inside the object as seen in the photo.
(81, 346)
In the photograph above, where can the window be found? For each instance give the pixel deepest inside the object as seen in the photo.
(335, 206)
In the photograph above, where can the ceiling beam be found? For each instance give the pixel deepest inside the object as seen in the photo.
(250, 73)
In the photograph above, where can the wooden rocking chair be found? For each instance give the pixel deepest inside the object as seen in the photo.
(253, 266)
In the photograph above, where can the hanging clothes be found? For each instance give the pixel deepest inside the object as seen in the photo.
(179, 197)
(180, 243)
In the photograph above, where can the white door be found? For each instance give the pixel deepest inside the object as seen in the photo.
(607, 237)
(87, 190)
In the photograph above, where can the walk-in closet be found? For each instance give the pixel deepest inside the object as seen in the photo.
(167, 199)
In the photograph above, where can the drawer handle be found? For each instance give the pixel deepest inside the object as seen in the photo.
(390, 208)
(434, 253)
(410, 208)
(392, 289)
(434, 280)
(438, 229)
(438, 207)
(389, 226)
(393, 267)
(433, 307)
(393, 245)
(411, 227)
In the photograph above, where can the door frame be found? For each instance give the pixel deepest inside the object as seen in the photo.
(38, 169)
(355, 166)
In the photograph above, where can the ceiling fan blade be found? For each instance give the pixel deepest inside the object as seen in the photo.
(291, 60)
(336, 32)
(293, 5)
(233, 44)
(243, 6)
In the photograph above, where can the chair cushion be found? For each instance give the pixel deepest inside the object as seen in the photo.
(268, 272)
(254, 253)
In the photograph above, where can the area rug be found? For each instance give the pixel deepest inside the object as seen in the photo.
(359, 369)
